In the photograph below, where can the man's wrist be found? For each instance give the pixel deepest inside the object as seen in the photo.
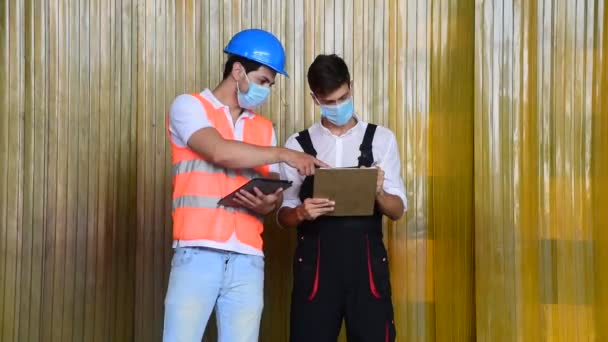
(299, 214)
(281, 154)
(270, 209)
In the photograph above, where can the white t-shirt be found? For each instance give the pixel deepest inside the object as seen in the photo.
(343, 151)
(187, 116)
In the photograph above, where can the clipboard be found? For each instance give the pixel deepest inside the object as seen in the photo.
(353, 189)
(266, 186)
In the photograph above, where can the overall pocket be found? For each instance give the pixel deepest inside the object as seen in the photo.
(377, 266)
(306, 267)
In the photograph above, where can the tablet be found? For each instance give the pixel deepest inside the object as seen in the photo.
(265, 185)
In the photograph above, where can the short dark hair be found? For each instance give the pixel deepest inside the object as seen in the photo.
(327, 73)
(248, 64)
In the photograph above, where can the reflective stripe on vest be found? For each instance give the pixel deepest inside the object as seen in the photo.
(199, 184)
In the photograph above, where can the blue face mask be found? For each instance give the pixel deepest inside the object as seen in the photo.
(255, 96)
(338, 114)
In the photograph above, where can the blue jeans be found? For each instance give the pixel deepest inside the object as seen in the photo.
(202, 279)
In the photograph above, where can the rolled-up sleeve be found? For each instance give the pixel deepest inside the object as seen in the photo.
(291, 198)
(391, 164)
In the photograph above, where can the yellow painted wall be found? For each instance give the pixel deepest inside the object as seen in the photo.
(499, 109)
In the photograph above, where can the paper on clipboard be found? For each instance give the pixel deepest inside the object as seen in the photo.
(353, 189)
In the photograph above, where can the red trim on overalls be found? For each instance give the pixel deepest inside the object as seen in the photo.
(372, 284)
(387, 339)
(315, 285)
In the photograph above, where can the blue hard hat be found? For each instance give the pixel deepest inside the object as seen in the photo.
(260, 46)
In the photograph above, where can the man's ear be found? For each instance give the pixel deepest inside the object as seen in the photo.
(237, 71)
(314, 99)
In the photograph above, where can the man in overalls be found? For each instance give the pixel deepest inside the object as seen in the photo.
(340, 264)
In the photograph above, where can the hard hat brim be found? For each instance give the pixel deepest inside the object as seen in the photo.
(257, 60)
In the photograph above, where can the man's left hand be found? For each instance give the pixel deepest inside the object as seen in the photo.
(258, 202)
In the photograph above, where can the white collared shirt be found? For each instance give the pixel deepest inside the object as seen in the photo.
(187, 116)
(343, 151)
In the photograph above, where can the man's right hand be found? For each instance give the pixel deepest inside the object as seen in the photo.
(313, 208)
(304, 163)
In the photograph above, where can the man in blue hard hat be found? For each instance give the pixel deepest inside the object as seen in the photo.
(219, 143)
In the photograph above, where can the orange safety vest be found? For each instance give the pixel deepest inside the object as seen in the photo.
(198, 185)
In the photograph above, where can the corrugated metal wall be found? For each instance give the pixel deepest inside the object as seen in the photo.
(68, 176)
(541, 142)
(500, 112)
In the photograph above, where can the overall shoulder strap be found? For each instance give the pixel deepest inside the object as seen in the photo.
(367, 156)
(304, 139)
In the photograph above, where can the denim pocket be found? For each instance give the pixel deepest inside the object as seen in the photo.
(181, 257)
(257, 262)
